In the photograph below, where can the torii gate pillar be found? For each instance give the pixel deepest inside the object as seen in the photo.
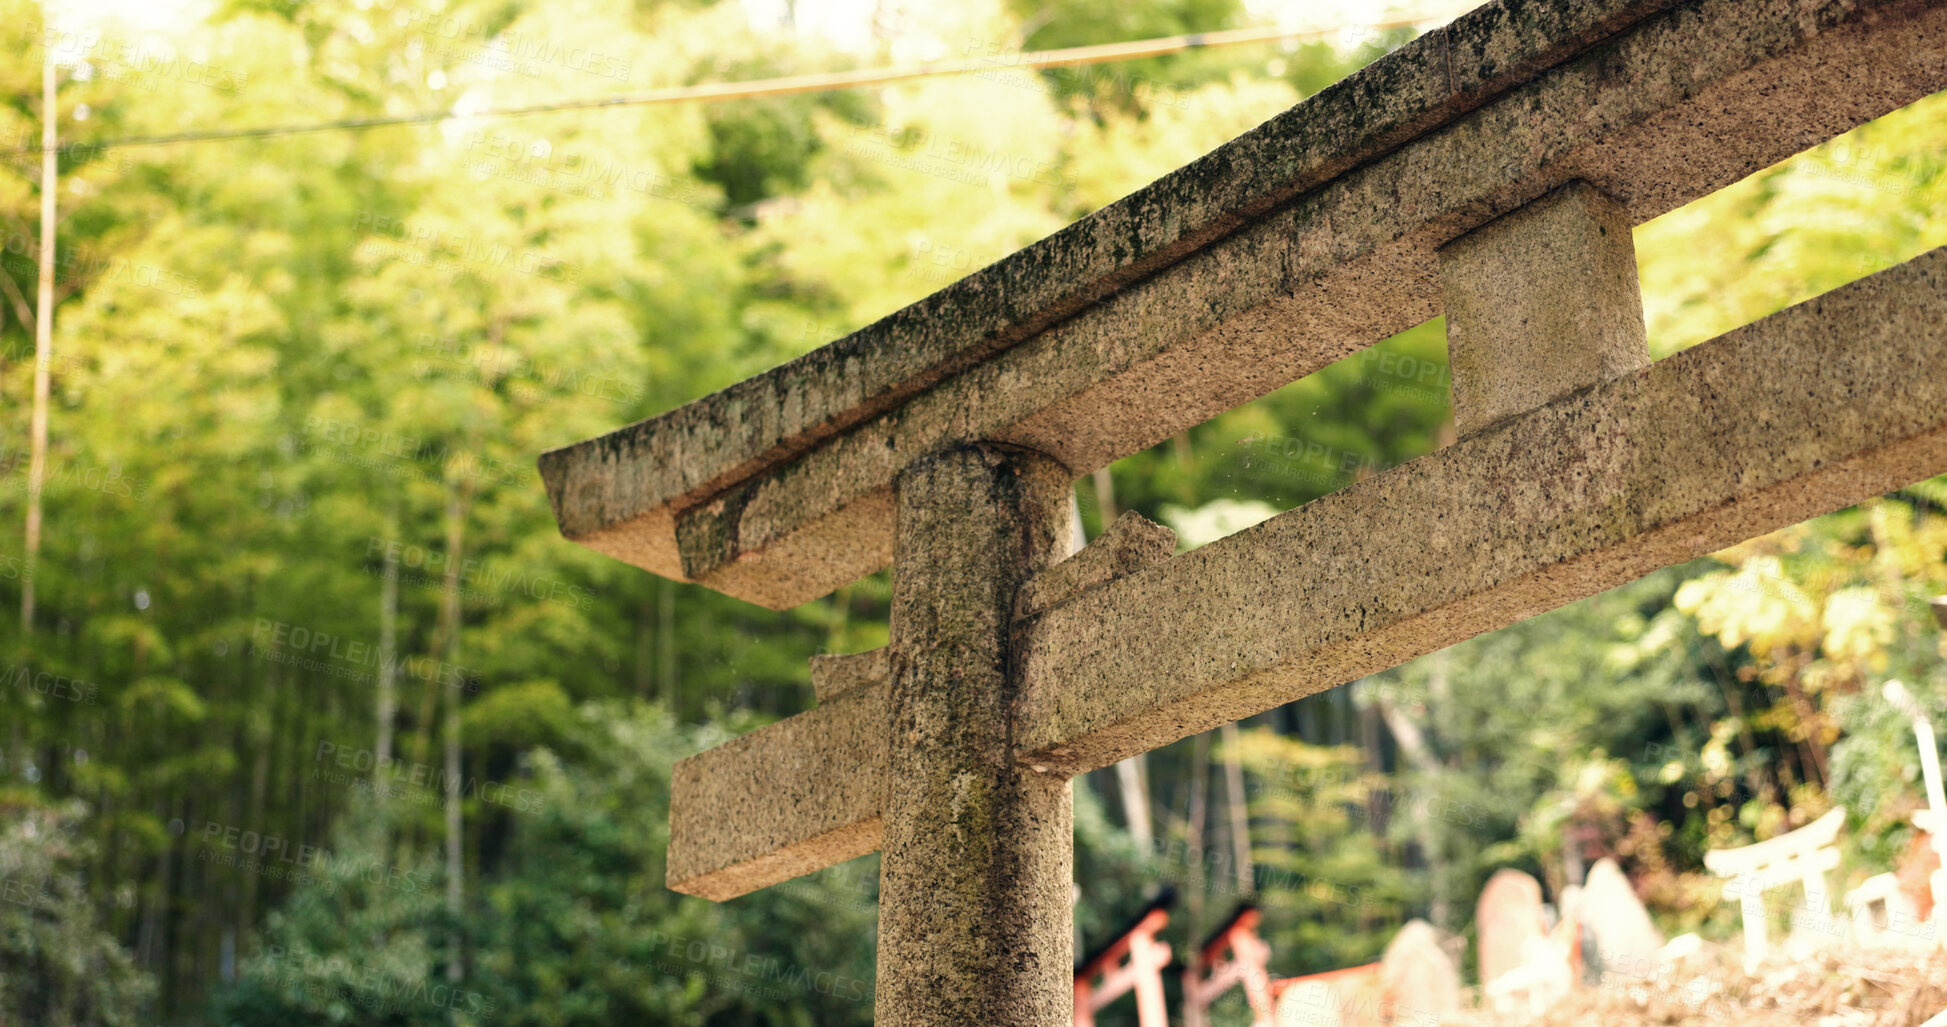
(978, 853)
(1491, 170)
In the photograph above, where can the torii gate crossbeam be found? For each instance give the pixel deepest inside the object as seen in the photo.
(1490, 170)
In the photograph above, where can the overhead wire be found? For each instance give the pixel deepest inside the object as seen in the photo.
(719, 92)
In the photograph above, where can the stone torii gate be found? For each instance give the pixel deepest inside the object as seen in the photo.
(1490, 171)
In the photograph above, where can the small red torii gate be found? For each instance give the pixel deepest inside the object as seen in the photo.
(1490, 172)
(1134, 962)
(1355, 996)
(1234, 955)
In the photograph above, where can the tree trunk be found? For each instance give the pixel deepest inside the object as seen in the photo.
(645, 655)
(1378, 815)
(1440, 909)
(1199, 801)
(666, 645)
(1240, 815)
(1413, 745)
(1104, 496)
(43, 340)
(454, 688)
(388, 699)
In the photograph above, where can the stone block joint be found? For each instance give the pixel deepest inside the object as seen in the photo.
(1541, 302)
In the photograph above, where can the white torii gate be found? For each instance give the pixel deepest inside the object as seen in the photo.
(1798, 857)
(1491, 170)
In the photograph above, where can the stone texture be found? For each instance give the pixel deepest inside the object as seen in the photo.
(945, 437)
(1132, 543)
(1540, 302)
(619, 493)
(1626, 942)
(1836, 400)
(1678, 105)
(978, 855)
(1508, 922)
(785, 800)
(836, 675)
(1421, 982)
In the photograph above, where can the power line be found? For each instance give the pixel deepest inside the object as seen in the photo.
(787, 85)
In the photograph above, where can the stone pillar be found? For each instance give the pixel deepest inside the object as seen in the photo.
(1540, 302)
(1757, 941)
(978, 852)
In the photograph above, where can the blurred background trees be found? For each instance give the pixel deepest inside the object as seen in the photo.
(299, 570)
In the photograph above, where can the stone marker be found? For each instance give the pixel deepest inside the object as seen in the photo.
(1358, 995)
(1625, 941)
(1546, 975)
(1309, 1004)
(1421, 983)
(942, 440)
(1507, 921)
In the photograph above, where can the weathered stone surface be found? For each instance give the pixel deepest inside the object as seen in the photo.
(785, 800)
(978, 857)
(1130, 544)
(835, 675)
(1508, 922)
(782, 504)
(1626, 941)
(1540, 302)
(1421, 981)
(1834, 401)
(1831, 402)
(618, 493)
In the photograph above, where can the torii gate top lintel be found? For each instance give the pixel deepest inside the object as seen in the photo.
(1491, 171)
(1294, 245)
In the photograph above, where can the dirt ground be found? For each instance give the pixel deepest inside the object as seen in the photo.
(1852, 988)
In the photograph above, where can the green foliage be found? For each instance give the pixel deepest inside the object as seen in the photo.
(1126, 85)
(58, 967)
(363, 938)
(1325, 884)
(574, 925)
(1828, 622)
(282, 364)
(578, 927)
